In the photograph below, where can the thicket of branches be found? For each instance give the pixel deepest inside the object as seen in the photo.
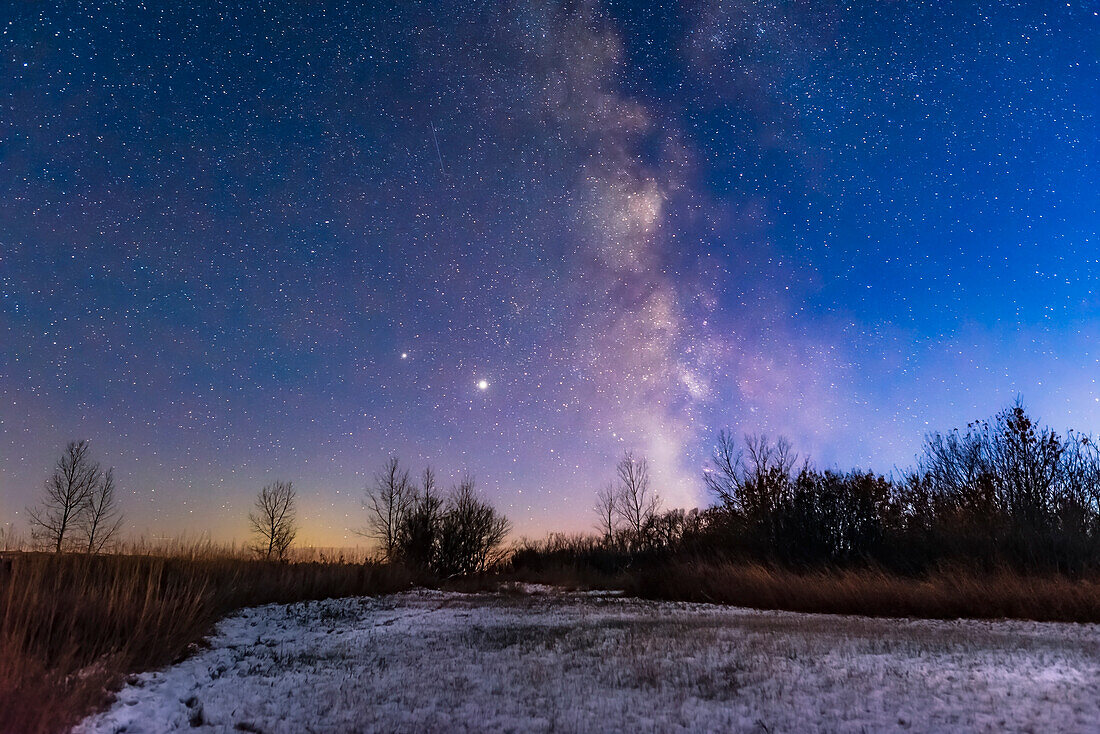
(1002, 493)
(453, 534)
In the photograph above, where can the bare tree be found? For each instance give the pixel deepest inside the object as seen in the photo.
(387, 502)
(274, 521)
(100, 519)
(637, 503)
(606, 508)
(75, 477)
(418, 536)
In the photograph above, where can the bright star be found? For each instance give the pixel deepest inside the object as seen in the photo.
(482, 384)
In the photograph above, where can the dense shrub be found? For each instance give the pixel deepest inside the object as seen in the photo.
(456, 535)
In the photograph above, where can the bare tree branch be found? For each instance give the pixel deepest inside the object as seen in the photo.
(100, 519)
(607, 510)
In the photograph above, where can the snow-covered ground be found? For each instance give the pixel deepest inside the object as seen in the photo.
(540, 661)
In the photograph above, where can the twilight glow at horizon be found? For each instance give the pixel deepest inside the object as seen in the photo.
(518, 239)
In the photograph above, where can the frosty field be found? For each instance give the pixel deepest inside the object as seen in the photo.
(538, 660)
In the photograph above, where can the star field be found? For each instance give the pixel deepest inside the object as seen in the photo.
(241, 242)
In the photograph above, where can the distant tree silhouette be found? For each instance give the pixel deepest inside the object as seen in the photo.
(387, 502)
(274, 520)
(607, 511)
(75, 480)
(636, 502)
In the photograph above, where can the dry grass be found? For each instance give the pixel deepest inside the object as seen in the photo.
(72, 626)
(945, 594)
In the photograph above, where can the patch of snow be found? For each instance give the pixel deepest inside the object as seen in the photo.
(428, 661)
(522, 587)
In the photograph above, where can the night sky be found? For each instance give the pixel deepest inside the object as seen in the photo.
(266, 241)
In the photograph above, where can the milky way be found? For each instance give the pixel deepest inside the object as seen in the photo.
(247, 243)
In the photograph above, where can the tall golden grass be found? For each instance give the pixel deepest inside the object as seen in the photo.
(949, 593)
(72, 626)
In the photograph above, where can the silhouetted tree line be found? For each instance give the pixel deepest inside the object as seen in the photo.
(1003, 492)
(451, 534)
